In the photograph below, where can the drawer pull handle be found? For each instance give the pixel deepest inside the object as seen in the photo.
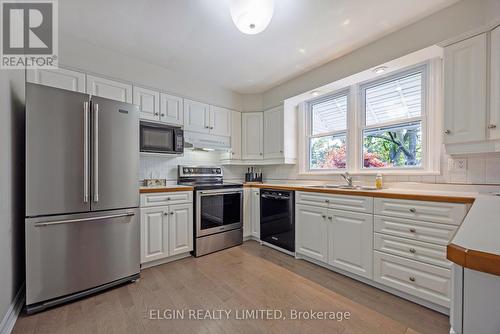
(413, 250)
(330, 218)
(323, 216)
(413, 210)
(165, 213)
(168, 198)
(327, 201)
(412, 278)
(172, 213)
(412, 230)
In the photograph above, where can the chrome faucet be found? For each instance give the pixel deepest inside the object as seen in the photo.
(348, 178)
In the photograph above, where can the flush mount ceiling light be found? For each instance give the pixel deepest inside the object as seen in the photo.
(380, 69)
(251, 16)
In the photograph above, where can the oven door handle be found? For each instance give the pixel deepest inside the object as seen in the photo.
(205, 193)
(276, 197)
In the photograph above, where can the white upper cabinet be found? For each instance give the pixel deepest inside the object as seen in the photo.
(235, 152)
(196, 116)
(465, 90)
(59, 78)
(171, 110)
(494, 122)
(109, 89)
(252, 127)
(148, 101)
(220, 121)
(273, 133)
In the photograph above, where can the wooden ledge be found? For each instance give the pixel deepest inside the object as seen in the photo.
(146, 190)
(473, 259)
(369, 193)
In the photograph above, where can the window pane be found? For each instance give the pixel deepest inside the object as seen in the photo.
(328, 152)
(329, 115)
(397, 99)
(396, 146)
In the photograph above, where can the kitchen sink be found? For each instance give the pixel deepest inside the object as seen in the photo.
(340, 186)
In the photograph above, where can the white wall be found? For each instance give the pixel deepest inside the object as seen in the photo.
(11, 186)
(450, 22)
(87, 57)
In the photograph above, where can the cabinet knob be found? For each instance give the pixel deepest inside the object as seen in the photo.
(162, 115)
(281, 151)
(327, 201)
(165, 213)
(323, 216)
(447, 132)
(156, 114)
(413, 250)
(168, 198)
(232, 153)
(260, 153)
(330, 218)
(172, 213)
(492, 126)
(412, 230)
(413, 210)
(211, 128)
(412, 278)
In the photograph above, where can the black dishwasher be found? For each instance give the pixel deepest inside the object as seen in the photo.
(277, 218)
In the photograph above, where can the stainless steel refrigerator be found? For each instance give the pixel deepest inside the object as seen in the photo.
(82, 195)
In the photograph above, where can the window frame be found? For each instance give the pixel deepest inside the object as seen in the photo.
(362, 127)
(432, 109)
(309, 129)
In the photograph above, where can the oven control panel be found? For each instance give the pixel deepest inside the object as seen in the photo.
(200, 171)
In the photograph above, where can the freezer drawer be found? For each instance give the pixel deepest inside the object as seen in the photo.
(71, 253)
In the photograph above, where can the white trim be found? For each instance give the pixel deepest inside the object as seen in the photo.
(158, 262)
(431, 120)
(10, 318)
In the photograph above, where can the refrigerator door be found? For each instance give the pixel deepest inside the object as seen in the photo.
(73, 253)
(57, 147)
(115, 155)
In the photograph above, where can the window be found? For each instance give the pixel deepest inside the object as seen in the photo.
(392, 109)
(376, 125)
(328, 132)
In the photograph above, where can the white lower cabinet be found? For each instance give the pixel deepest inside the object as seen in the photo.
(166, 231)
(350, 241)
(255, 199)
(311, 232)
(426, 281)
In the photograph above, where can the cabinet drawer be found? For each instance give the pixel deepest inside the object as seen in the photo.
(413, 229)
(446, 213)
(340, 202)
(411, 249)
(167, 198)
(422, 280)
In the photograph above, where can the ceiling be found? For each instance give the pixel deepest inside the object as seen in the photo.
(198, 38)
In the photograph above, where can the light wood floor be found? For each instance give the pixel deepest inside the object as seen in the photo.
(247, 277)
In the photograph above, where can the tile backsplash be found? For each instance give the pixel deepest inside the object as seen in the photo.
(165, 167)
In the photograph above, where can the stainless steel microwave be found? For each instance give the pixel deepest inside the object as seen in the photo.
(161, 138)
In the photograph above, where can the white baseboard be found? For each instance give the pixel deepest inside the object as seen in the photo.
(10, 318)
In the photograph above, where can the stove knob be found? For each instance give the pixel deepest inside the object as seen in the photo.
(214, 171)
(185, 170)
(191, 170)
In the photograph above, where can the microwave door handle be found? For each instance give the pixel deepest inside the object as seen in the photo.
(96, 152)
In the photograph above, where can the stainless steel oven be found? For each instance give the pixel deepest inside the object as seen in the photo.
(218, 210)
(161, 138)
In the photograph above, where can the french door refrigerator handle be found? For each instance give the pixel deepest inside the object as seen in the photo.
(85, 152)
(78, 220)
(96, 152)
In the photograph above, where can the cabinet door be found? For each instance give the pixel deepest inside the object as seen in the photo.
(350, 241)
(180, 229)
(494, 125)
(220, 121)
(247, 212)
(235, 152)
(256, 213)
(273, 133)
(196, 116)
(148, 102)
(311, 232)
(58, 78)
(252, 133)
(154, 233)
(171, 109)
(465, 90)
(109, 89)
